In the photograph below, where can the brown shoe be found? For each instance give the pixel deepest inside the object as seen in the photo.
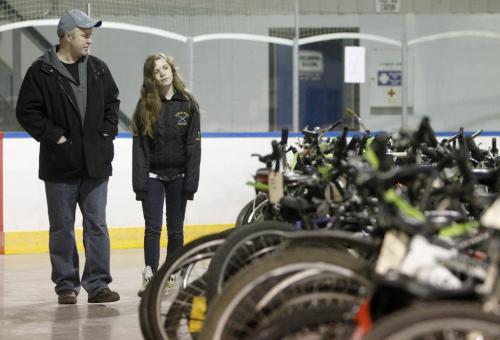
(66, 297)
(105, 295)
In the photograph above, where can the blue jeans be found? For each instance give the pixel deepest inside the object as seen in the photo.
(152, 207)
(91, 197)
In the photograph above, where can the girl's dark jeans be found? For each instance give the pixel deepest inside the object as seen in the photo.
(169, 192)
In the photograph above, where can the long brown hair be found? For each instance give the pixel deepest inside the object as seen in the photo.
(147, 110)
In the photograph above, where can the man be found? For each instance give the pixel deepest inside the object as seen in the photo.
(69, 103)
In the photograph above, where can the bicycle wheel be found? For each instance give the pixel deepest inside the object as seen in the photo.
(280, 281)
(178, 312)
(241, 248)
(438, 320)
(320, 322)
(253, 211)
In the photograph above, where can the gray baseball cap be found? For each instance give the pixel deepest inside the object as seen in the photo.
(75, 18)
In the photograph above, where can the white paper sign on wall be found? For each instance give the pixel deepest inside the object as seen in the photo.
(354, 64)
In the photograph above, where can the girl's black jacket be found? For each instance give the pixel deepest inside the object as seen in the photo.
(174, 149)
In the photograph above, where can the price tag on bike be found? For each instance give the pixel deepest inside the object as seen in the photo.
(393, 251)
(275, 183)
(491, 217)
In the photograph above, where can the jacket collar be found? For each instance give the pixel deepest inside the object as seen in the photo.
(50, 57)
(176, 96)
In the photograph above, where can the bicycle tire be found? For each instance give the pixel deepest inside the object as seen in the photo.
(247, 214)
(225, 263)
(152, 325)
(243, 212)
(323, 322)
(234, 308)
(418, 320)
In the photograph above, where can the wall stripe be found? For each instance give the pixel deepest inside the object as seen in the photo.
(2, 243)
(275, 134)
(24, 242)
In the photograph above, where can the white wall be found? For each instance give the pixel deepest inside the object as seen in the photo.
(456, 80)
(225, 168)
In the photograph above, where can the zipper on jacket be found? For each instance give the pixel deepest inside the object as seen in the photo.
(69, 97)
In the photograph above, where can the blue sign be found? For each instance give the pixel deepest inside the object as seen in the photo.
(389, 78)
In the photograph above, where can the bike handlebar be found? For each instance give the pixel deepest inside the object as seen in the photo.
(477, 133)
(284, 136)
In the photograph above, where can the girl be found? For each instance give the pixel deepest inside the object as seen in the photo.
(165, 157)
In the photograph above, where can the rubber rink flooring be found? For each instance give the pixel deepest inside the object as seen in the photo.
(29, 309)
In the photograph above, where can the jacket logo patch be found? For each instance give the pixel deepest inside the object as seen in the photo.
(182, 118)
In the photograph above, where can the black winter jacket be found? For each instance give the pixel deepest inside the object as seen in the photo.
(175, 148)
(47, 109)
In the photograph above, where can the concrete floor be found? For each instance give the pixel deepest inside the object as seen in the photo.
(29, 309)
